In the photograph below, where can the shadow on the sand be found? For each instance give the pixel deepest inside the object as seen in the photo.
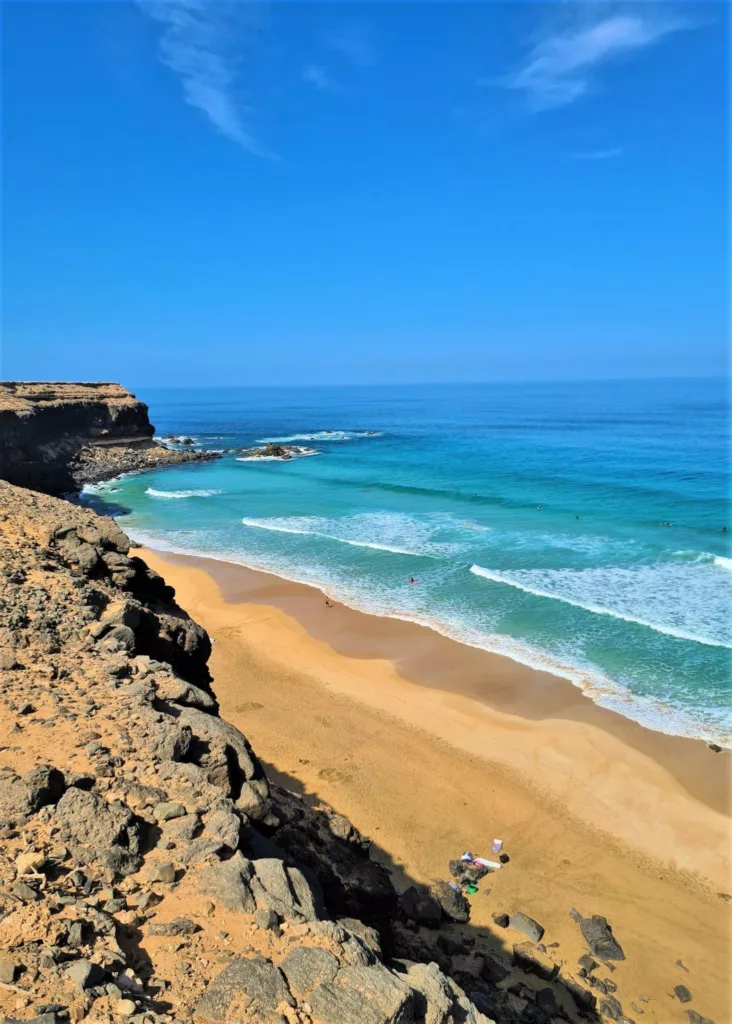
(527, 984)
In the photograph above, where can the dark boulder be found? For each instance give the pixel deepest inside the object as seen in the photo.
(420, 906)
(454, 905)
(523, 923)
(256, 984)
(599, 937)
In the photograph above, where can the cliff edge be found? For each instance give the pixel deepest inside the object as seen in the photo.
(150, 870)
(55, 437)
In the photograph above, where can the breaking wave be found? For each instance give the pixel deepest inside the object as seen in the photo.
(677, 600)
(321, 435)
(181, 494)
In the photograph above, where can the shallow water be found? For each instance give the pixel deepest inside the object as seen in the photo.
(530, 516)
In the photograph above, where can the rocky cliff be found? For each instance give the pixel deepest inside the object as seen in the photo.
(149, 869)
(55, 437)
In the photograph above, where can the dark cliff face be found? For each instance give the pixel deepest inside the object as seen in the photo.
(56, 436)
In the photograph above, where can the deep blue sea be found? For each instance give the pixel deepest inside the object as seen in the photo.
(574, 527)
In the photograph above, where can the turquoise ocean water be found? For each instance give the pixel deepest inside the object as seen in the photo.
(589, 586)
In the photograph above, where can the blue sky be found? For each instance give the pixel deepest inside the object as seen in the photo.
(263, 193)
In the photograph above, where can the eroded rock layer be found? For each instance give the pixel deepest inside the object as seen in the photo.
(55, 437)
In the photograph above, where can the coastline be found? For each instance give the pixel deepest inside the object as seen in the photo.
(432, 747)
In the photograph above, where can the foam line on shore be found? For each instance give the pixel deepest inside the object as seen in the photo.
(646, 711)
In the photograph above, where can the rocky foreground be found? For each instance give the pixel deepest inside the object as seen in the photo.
(56, 437)
(149, 870)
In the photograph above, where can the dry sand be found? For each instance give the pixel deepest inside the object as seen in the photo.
(431, 747)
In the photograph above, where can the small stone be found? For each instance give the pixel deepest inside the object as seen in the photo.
(125, 1006)
(682, 994)
(168, 811)
(164, 872)
(266, 919)
(178, 926)
(8, 971)
(501, 920)
(85, 974)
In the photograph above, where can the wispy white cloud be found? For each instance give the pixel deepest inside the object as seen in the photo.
(203, 42)
(316, 75)
(354, 44)
(560, 67)
(599, 154)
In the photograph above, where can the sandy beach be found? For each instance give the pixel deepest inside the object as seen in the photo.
(431, 747)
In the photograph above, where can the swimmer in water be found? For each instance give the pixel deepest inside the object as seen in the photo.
(413, 580)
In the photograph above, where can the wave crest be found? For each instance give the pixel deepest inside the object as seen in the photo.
(203, 493)
(646, 595)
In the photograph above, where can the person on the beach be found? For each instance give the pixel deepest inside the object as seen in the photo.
(327, 603)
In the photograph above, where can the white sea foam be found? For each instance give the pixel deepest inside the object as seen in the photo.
(722, 562)
(652, 713)
(203, 493)
(676, 599)
(105, 485)
(397, 533)
(304, 453)
(321, 435)
(263, 524)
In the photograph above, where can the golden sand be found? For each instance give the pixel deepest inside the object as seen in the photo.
(431, 748)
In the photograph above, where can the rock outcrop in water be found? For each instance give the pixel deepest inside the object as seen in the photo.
(55, 437)
(283, 452)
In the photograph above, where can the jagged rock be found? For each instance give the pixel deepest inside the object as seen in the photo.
(418, 905)
(183, 829)
(491, 970)
(228, 884)
(522, 923)
(583, 999)
(178, 691)
(8, 971)
(610, 1007)
(363, 995)
(696, 1018)
(600, 939)
(178, 926)
(453, 903)
(21, 797)
(164, 872)
(682, 994)
(256, 985)
(433, 997)
(223, 827)
(267, 919)
(284, 890)
(85, 974)
(99, 831)
(168, 811)
(307, 967)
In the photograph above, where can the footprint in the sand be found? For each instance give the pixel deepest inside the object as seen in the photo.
(333, 775)
(250, 705)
